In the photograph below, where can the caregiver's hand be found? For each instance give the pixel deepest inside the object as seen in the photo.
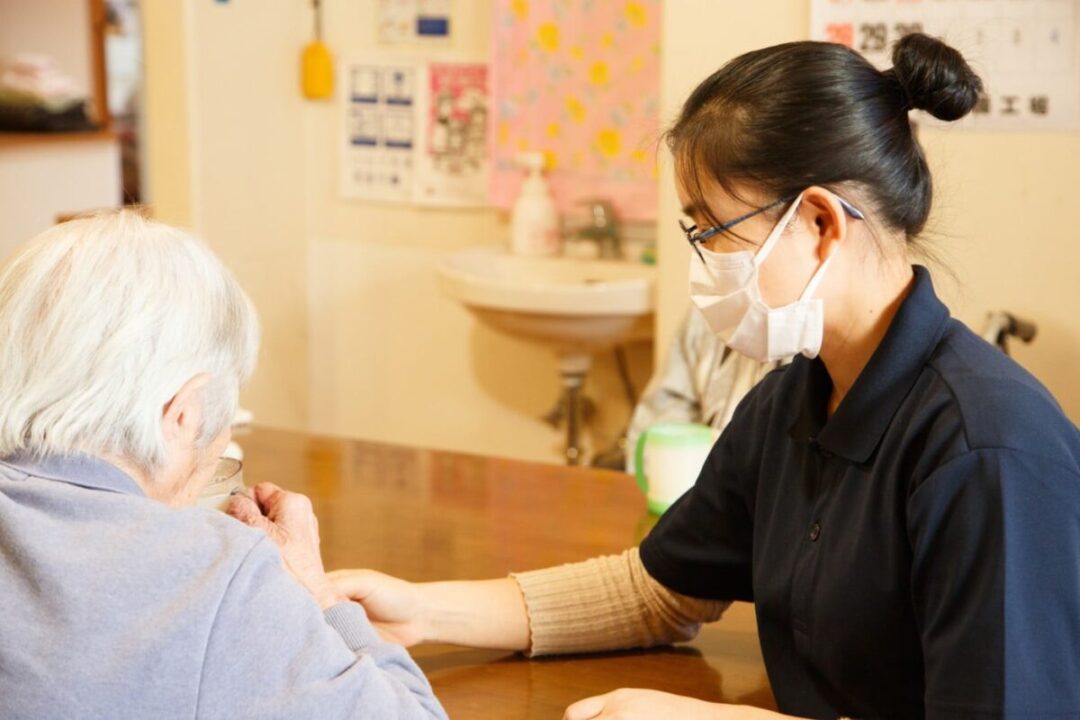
(478, 613)
(632, 704)
(393, 606)
(290, 522)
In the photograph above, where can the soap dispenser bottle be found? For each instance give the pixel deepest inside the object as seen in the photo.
(535, 221)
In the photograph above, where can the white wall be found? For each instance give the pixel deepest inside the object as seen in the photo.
(39, 181)
(1005, 216)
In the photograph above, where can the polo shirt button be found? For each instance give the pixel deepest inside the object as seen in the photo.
(815, 532)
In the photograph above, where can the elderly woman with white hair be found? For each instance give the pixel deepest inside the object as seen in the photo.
(123, 344)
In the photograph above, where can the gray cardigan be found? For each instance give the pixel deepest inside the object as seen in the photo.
(113, 605)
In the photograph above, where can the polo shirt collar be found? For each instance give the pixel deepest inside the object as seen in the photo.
(83, 470)
(856, 428)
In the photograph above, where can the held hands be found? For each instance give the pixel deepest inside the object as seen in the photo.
(394, 606)
(632, 704)
(291, 523)
(492, 613)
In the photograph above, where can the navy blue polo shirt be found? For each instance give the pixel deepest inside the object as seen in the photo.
(915, 554)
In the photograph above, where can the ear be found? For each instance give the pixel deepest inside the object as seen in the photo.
(825, 218)
(182, 415)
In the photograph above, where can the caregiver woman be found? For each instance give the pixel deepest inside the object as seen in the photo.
(901, 503)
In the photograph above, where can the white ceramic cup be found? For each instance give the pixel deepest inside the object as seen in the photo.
(668, 459)
(228, 478)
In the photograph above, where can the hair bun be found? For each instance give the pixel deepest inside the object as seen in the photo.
(935, 77)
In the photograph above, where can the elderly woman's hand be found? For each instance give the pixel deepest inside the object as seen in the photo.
(291, 523)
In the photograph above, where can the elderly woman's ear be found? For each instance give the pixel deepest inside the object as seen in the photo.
(193, 443)
(183, 415)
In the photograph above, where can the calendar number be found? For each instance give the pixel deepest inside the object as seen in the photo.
(874, 37)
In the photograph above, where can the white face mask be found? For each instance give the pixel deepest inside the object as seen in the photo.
(725, 289)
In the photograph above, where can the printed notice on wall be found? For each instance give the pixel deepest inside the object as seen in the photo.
(1026, 51)
(402, 21)
(452, 156)
(380, 125)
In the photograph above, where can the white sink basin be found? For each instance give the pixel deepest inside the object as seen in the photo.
(573, 306)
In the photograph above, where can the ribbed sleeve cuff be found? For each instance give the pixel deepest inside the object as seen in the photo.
(351, 623)
(587, 606)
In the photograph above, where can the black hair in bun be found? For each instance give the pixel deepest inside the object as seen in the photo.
(934, 77)
(790, 116)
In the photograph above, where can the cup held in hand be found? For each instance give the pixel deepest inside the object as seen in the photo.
(228, 479)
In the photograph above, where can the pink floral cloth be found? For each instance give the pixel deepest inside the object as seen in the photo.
(578, 81)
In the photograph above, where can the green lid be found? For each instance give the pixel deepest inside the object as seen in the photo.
(680, 434)
(667, 434)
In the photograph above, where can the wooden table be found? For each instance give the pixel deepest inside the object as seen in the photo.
(426, 515)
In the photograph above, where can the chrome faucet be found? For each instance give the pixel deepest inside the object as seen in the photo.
(601, 228)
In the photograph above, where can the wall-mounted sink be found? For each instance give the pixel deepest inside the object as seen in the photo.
(572, 306)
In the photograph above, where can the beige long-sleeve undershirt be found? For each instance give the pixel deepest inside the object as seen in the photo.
(607, 603)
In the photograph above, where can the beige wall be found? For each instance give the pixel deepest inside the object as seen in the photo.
(1006, 223)
(358, 339)
(166, 102)
(1006, 212)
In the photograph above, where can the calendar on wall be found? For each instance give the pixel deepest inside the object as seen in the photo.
(1026, 51)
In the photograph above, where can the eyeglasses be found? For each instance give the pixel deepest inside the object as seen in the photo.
(695, 237)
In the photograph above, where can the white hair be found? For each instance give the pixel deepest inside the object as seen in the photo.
(102, 320)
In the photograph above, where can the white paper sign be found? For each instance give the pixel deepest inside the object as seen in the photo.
(380, 126)
(1026, 51)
